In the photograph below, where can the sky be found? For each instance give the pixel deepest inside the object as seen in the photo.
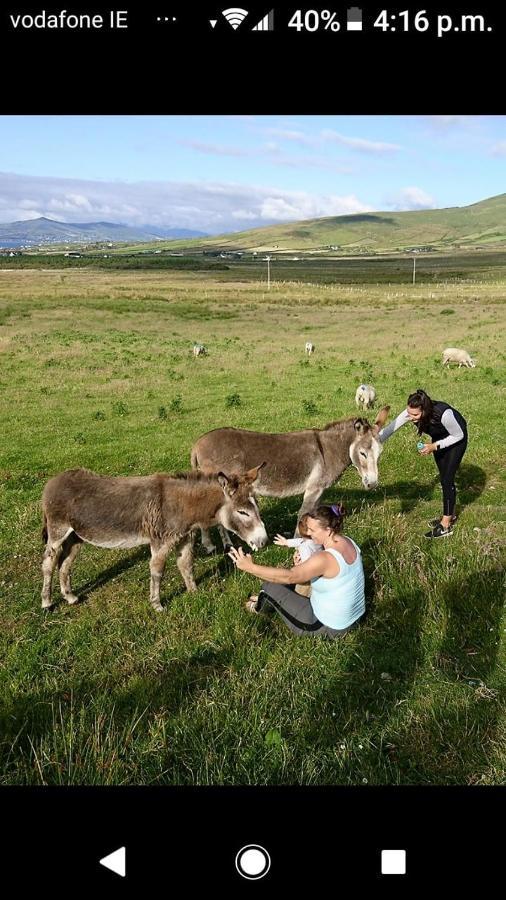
(229, 173)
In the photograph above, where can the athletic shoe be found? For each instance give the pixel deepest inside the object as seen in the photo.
(435, 522)
(438, 531)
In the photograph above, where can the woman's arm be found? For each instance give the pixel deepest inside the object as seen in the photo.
(453, 428)
(319, 564)
(396, 423)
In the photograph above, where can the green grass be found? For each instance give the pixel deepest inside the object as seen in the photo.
(97, 370)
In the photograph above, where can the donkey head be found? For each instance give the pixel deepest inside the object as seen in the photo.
(239, 512)
(365, 448)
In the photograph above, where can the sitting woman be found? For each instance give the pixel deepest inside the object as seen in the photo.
(337, 580)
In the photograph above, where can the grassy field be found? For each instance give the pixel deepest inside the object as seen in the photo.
(96, 370)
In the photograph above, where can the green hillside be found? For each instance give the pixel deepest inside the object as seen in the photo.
(479, 225)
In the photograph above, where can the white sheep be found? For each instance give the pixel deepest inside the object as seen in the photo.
(453, 354)
(199, 350)
(365, 396)
(309, 348)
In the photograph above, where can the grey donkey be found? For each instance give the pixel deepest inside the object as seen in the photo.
(160, 510)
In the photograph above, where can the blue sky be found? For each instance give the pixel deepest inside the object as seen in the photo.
(226, 173)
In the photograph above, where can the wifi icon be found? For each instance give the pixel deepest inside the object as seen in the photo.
(235, 16)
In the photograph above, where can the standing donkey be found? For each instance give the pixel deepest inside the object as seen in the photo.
(297, 462)
(160, 510)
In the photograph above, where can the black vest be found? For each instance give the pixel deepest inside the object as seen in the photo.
(435, 429)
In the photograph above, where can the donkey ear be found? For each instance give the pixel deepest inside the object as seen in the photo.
(229, 485)
(381, 418)
(361, 426)
(252, 474)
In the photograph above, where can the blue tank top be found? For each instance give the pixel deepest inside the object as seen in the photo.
(339, 601)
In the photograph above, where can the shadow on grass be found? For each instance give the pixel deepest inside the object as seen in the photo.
(98, 720)
(84, 591)
(474, 609)
(451, 736)
(456, 741)
(470, 482)
(281, 515)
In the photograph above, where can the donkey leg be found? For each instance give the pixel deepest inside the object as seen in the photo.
(69, 552)
(156, 567)
(55, 539)
(226, 538)
(310, 499)
(184, 561)
(207, 543)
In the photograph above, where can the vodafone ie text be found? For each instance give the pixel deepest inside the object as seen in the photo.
(63, 20)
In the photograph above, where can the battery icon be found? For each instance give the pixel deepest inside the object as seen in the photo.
(354, 19)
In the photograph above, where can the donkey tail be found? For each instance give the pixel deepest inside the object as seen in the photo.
(44, 529)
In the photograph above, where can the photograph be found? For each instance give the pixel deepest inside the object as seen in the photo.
(252, 493)
(225, 560)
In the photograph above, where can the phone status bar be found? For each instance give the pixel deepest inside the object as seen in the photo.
(236, 21)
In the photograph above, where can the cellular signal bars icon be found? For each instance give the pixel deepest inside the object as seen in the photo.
(235, 16)
(265, 24)
(354, 19)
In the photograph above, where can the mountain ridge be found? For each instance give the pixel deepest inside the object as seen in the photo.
(42, 230)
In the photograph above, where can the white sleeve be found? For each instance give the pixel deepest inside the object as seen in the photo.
(453, 428)
(387, 432)
(295, 542)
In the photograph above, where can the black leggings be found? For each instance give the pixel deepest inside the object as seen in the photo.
(296, 611)
(448, 460)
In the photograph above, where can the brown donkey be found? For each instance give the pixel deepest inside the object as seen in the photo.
(159, 510)
(297, 462)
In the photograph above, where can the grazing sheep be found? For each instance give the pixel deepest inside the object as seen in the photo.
(365, 396)
(199, 350)
(309, 348)
(453, 354)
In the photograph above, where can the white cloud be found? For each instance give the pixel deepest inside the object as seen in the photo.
(304, 206)
(311, 162)
(215, 149)
(360, 144)
(286, 134)
(206, 206)
(411, 198)
(499, 149)
(448, 123)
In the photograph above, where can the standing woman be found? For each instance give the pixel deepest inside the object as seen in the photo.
(336, 573)
(447, 429)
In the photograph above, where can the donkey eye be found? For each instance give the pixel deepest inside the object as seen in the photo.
(363, 454)
(242, 512)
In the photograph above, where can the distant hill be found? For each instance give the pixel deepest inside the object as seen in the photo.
(479, 225)
(34, 232)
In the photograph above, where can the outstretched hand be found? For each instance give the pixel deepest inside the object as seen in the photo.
(241, 560)
(280, 541)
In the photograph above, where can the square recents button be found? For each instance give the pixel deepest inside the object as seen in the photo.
(393, 862)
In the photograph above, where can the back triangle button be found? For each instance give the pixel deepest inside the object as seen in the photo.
(115, 861)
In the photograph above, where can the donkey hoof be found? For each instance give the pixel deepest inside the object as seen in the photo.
(72, 599)
(157, 607)
(48, 607)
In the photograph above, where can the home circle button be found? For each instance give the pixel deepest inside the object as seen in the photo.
(253, 862)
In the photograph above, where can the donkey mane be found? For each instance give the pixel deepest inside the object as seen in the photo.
(343, 424)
